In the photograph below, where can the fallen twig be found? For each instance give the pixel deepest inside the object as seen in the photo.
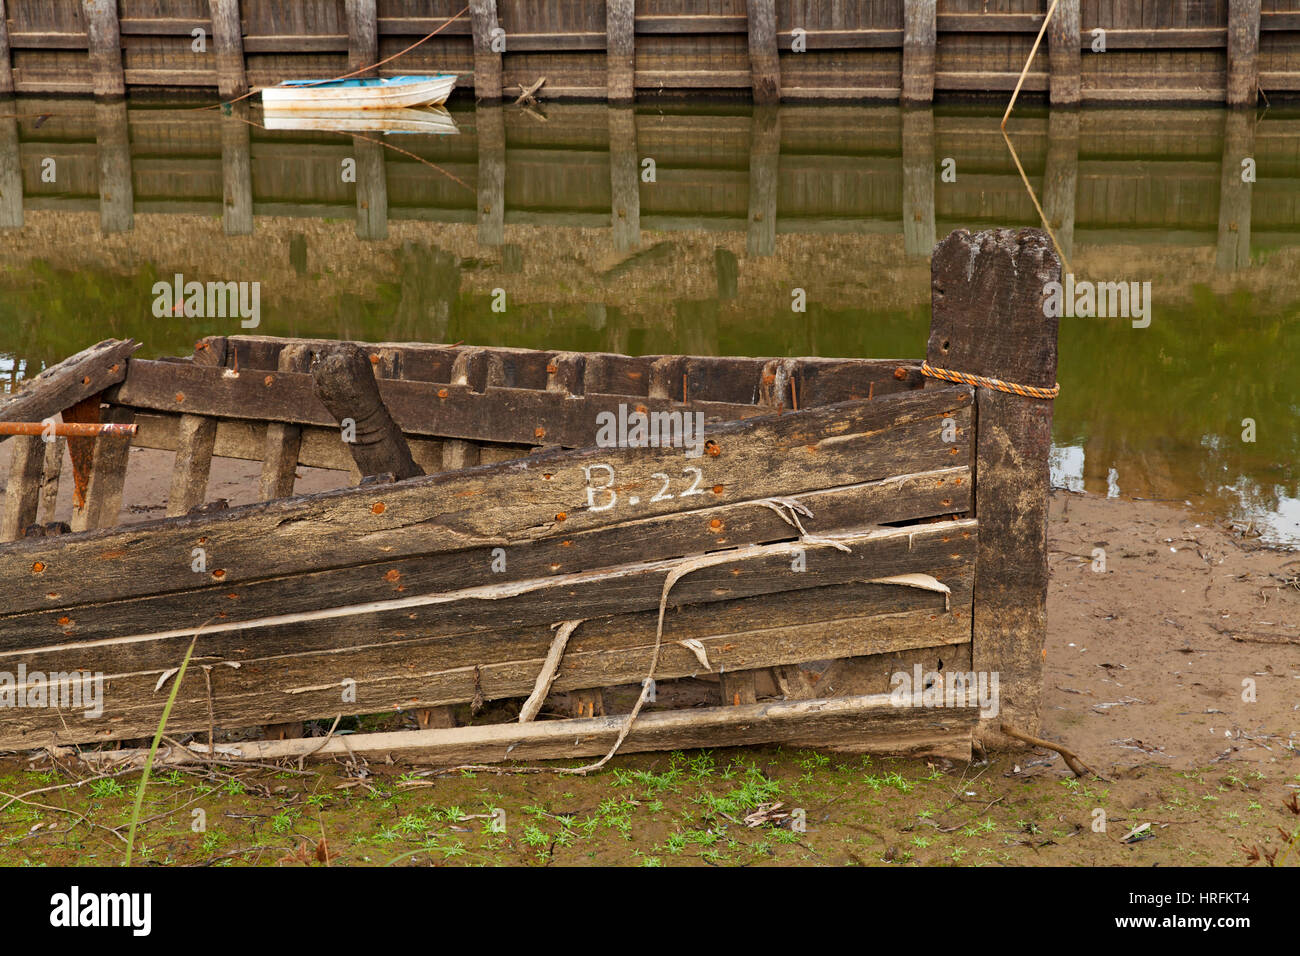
(1072, 760)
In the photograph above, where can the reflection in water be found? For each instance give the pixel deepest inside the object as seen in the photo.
(689, 230)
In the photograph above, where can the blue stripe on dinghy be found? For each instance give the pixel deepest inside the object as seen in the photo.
(367, 81)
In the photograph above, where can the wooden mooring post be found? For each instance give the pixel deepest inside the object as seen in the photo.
(1065, 56)
(228, 46)
(11, 176)
(764, 60)
(620, 51)
(113, 145)
(236, 173)
(363, 35)
(988, 319)
(1061, 176)
(1243, 52)
(1235, 188)
(6, 68)
(487, 62)
(918, 182)
(104, 37)
(624, 181)
(919, 36)
(372, 189)
(491, 191)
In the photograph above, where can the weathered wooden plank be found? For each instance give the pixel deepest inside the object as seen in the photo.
(989, 319)
(363, 36)
(550, 495)
(487, 62)
(73, 380)
(918, 51)
(196, 437)
(283, 442)
(1065, 60)
(620, 55)
(105, 43)
(345, 384)
(228, 46)
(764, 64)
(901, 499)
(1243, 52)
(865, 723)
(6, 70)
(454, 410)
(103, 499)
(23, 489)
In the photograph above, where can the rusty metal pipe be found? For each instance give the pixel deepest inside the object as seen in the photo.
(68, 429)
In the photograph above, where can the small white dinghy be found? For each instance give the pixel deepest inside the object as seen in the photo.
(368, 93)
(432, 120)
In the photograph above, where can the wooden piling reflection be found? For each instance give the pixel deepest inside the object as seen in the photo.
(116, 194)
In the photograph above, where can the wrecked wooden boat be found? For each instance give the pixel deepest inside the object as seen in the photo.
(846, 540)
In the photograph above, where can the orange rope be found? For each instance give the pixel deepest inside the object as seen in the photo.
(363, 69)
(965, 378)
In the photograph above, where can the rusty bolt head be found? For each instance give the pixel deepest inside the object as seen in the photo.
(900, 373)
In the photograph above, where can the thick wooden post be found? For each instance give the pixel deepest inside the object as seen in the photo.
(624, 181)
(236, 173)
(116, 194)
(487, 62)
(620, 51)
(105, 41)
(228, 45)
(103, 498)
(918, 182)
(363, 35)
(989, 319)
(283, 440)
(372, 189)
(196, 437)
(919, 33)
(491, 175)
(1061, 176)
(764, 60)
(345, 384)
(6, 69)
(1065, 57)
(11, 176)
(53, 469)
(1233, 250)
(1243, 52)
(764, 163)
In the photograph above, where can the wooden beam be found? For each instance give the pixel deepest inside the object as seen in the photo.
(487, 62)
(1233, 250)
(989, 319)
(105, 42)
(363, 35)
(620, 51)
(918, 51)
(54, 452)
(22, 493)
(6, 69)
(73, 380)
(372, 189)
(236, 173)
(113, 148)
(228, 45)
(1243, 52)
(283, 441)
(918, 182)
(1065, 59)
(624, 180)
(764, 166)
(764, 62)
(866, 724)
(345, 384)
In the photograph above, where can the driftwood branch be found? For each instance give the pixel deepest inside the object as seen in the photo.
(1071, 758)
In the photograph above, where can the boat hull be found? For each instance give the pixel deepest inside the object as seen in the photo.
(390, 95)
(434, 120)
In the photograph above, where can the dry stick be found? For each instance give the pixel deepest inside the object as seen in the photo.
(550, 669)
(1072, 760)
